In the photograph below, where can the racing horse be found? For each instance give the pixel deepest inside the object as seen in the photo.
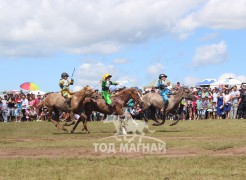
(119, 101)
(154, 101)
(56, 102)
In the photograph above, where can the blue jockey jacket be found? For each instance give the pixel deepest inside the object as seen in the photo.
(164, 91)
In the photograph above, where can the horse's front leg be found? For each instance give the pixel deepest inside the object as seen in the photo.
(88, 115)
(85, 122)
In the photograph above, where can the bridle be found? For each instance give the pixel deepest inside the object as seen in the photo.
(137, 97)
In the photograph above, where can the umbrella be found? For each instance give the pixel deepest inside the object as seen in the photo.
(29, 86)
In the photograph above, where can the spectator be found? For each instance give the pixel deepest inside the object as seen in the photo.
(33, 113)
(130, 105)
(227, 103)
(234, 96)
(24, 103)
(178, 85)
(214, 110)
(194, 106)
(210, 107)
(36, 102)
(18, 113)
(136, 112)
(242, 103)
(199, 107)
(204, 107)
(199, 91)
(11, 105)
(215, 95)
(205, 93)
(1, 105)
(220, 105)
(5, 108)
(189, 109)
(44, 114)
(17, 98)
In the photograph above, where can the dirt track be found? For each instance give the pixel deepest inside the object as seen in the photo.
(80, 153)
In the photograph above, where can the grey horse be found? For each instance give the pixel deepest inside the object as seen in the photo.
(153, 101)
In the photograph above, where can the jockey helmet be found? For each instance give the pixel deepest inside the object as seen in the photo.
(105, 76)
(162, 75)
(64, 74)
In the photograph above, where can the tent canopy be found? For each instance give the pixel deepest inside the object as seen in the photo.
(206, 82)
(37, 92)
(228, 81)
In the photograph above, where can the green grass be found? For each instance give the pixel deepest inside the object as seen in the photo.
(208, 136)
(203, 167)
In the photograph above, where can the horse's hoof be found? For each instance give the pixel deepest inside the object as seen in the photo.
(88, 132)
(72, 132)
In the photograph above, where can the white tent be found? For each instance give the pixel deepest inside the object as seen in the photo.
(229, 82)
(37, 92)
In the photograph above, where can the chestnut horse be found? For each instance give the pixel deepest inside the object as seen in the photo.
(56, 102)
(155, 101)
(119, 101)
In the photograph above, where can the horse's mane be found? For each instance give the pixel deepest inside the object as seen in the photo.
(81, 90)
(122, 92)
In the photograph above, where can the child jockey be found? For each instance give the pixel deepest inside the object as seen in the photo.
(64, 85)
(105, 88)
(164, 91)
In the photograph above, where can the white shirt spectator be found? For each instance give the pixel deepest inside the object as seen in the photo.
(235, 96)
(24, 103)
(4, 104)
(215, 95)
(227, 98)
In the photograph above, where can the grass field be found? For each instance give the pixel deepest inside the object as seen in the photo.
(205, 149)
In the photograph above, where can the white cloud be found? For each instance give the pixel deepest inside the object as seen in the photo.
(120, 61)
(209, 37)
(36, 28)
(215, 14)
(191, 81)
(91, 74)
(84, 26)
(210, 54)
(155, 69)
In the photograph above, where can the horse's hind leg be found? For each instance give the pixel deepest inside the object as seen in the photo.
(57, 121)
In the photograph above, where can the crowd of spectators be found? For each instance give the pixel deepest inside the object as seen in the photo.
(217, 103)
(21, 107)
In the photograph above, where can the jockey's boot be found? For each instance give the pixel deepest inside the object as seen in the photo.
(164, 106)
(68, 102)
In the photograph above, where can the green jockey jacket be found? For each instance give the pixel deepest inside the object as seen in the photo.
(105, 90)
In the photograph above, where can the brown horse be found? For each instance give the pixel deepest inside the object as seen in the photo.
(119, 100)
(155, 101)
(56, 102)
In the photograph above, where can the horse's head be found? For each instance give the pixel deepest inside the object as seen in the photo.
(89, 92)
(136, 96)
(187, 94)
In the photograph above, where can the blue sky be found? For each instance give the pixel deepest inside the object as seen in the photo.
(135, 41)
